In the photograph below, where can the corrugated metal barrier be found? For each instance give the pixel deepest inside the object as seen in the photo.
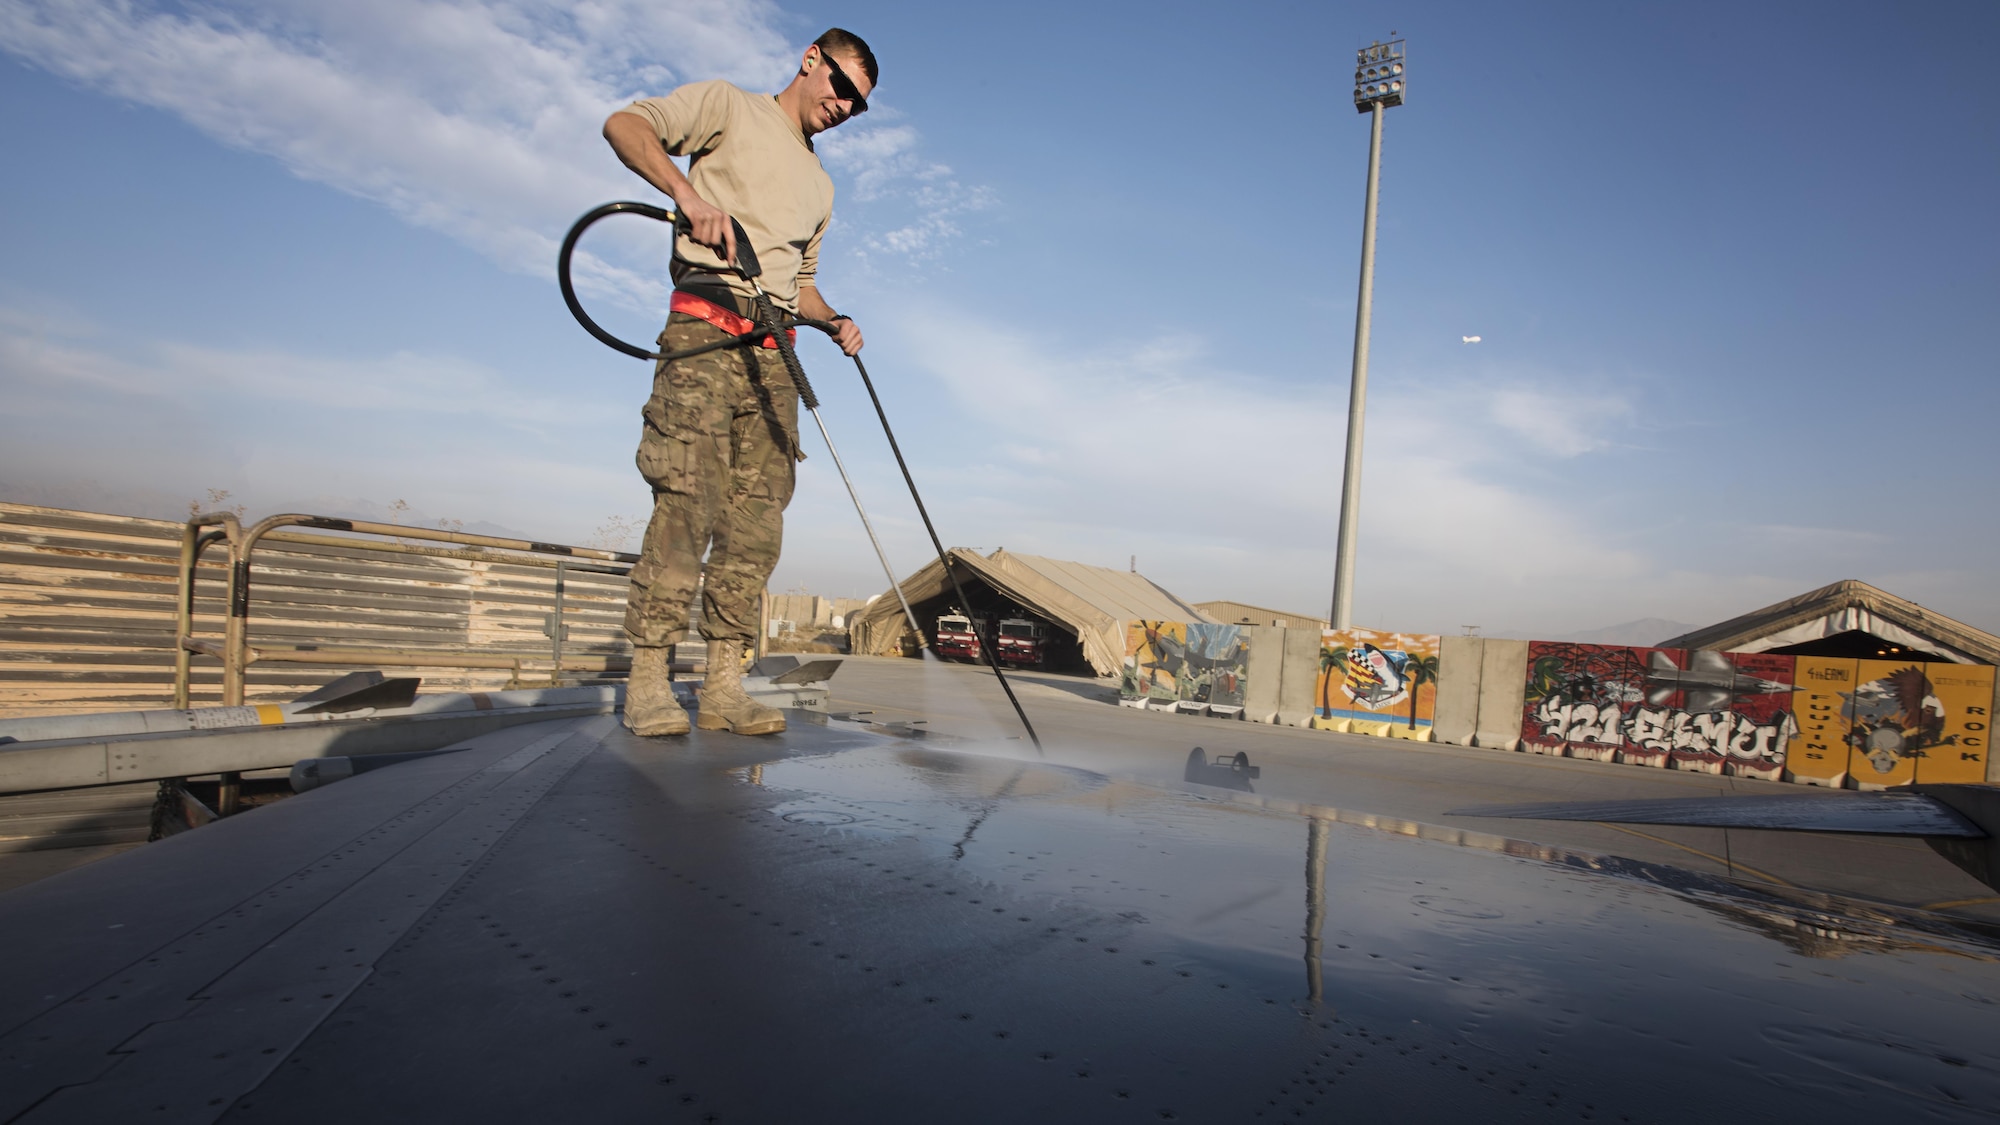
(87, 612)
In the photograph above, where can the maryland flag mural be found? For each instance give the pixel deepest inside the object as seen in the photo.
(1374, 682)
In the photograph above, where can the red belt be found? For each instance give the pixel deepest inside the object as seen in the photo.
(726, 319)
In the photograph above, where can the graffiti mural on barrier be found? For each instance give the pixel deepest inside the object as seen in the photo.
(1713, 712)
(1821, 720)
(1199, 663)
(1374, 682)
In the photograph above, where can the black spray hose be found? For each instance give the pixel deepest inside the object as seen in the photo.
(774, 326)
(660, 214)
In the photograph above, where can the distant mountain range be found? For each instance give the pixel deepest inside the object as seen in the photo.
(1645, 631)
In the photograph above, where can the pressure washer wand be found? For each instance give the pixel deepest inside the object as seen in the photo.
(869, 527)
(811, 401)
(767, 313)
(944, 560)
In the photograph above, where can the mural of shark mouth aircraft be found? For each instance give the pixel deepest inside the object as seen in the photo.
(1711, 682)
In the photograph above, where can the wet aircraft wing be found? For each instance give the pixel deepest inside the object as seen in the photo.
(1883, 814)
(564, 923)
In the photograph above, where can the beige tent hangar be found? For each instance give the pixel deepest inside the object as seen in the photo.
(1833, 620)
(1095, 602)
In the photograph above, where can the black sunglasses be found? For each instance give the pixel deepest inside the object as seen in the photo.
(843, 87)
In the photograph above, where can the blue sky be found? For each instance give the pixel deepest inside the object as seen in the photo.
(1733, 268)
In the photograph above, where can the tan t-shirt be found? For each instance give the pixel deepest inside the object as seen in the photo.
(746, 157)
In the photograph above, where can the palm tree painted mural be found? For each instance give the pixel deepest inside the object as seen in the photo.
(1332, 665)
(1420, 670)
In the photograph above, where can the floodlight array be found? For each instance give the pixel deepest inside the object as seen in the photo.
(1378, 76)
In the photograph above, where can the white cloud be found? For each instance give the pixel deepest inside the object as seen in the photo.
(477, 118)
(1565, 422)
(1228, 484)
(158, 419)
(876, 156)
(1223, 485)
(1476, 507)
(885, 164)
(74, 373)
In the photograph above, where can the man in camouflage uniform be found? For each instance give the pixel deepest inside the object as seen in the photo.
(721, 438)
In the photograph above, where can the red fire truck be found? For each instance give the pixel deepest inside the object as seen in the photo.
(956, 639)
(1021, 642)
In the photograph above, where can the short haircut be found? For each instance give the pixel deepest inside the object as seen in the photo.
(838, 40)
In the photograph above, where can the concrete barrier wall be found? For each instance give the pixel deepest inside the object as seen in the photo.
(1265, 671)
(1802, 719)
(1832, 721)
(1503, 678)
(1301, 670)
(1459, 666)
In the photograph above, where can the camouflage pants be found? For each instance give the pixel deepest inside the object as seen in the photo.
(719, 447)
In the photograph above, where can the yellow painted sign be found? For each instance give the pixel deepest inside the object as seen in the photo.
(1964, 692)
(1819, 754)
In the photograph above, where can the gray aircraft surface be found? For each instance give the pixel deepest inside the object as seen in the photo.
(561, 922)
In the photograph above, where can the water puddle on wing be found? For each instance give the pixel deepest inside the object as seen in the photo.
(1454, 946)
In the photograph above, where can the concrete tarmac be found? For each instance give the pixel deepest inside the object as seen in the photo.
(1081, 725)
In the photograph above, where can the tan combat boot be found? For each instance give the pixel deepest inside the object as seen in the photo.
(723, 704)
(650, 706)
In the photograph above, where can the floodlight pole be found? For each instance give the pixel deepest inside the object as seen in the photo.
(1377, 87)
(1357, 394)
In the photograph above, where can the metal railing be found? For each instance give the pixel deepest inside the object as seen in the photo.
(236, 653)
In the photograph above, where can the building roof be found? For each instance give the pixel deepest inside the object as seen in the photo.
(1230, 612)
(1097, 602)
(1845, 606)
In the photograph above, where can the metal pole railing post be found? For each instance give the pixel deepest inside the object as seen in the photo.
(236, 631)
(184, 614)
(557, 628)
